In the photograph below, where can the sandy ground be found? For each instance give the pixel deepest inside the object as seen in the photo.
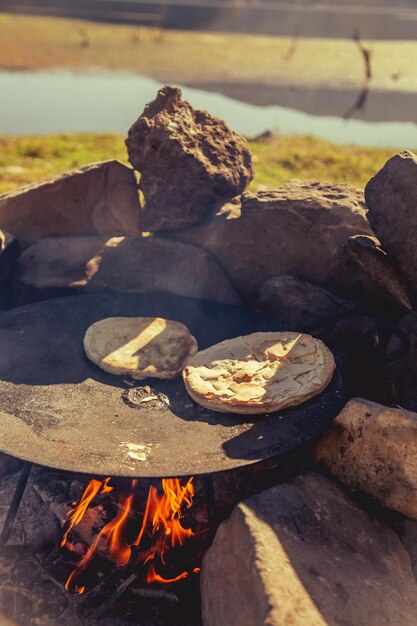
(316, 76)
(192, 57)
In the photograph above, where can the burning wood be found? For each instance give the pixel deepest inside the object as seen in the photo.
(125, 540)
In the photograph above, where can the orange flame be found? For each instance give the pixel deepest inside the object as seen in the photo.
(153, 577)
(161, 520)
(165, 513)
(111, 535)
(76, 515)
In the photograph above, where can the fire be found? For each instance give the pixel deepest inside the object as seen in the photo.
(161, 522)
(76, 515)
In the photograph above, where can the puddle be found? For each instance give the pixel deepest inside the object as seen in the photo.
(62, 102)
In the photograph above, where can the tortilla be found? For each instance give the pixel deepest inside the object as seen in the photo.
(259, 373)
(139, 347)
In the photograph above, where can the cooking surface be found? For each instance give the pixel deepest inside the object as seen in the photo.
(58, 409)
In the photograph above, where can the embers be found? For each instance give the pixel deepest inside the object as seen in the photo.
(113, 526)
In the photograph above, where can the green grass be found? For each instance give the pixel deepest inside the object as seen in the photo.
(29, 159)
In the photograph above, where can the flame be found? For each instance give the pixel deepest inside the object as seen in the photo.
(76, 515)
(165, 513)
(153, 577)
(161, 522)
(111, 537)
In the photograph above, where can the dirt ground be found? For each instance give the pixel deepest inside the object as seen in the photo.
(193, 57)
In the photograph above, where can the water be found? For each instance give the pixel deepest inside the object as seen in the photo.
(59, 101)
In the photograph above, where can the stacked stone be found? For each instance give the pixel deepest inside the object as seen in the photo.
(314, 255)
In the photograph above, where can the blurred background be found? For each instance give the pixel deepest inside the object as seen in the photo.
(303, 79)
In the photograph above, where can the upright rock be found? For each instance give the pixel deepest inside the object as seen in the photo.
(301, 305)
(391, 196)
(57, 266)
(303, 554)
(375, 273)
(101, 198)
(189, 161)
(299, 229)
(373, 448)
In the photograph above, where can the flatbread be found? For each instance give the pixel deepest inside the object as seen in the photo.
(259, 373)
(139, 347)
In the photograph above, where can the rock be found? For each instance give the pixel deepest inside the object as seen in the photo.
(373, 448)
(391, 196)
(9, 252)
(407, 531)
(402, 369)
(301, 305)
(354, 334)
(299, 229)
(189, 161)
(357, 340)
(375, 273)
(302, 553)
(57, 266)
(101, 198)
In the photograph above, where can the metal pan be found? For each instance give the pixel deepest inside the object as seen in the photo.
(59, 410)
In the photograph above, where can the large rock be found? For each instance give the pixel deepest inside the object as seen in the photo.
(101, 198)
(299, 229)
(303, 554)
(375, 272)
(373, 448)
(65, 265)
(188, 160)
(302, 305)
(391, 196)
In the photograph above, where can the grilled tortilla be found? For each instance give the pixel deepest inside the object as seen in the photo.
(259, 373)
(139, 347)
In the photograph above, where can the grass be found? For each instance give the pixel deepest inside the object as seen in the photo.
(28, 159)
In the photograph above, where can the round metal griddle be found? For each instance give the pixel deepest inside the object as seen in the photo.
(59, 410)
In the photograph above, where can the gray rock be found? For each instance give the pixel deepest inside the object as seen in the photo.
(299, 229)
(101, 198)
(375, 272)
(302, 305)
(391, 196)
(57, 266)
(373, 448)
(189, 160)
(303, 554)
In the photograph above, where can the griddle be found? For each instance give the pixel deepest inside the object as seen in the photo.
(59, 410)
